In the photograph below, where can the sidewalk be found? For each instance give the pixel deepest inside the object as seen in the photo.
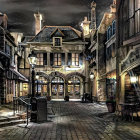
(75, 121)
(5, 111)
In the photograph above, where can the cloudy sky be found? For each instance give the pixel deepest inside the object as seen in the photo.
(55, 12)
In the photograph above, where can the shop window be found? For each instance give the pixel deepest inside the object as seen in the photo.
(75, 59)
(74, 85)
(25, 86)
(57, 59)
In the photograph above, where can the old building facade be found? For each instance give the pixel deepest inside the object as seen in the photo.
(128, 46)
(60, 61)
(10, 77)
(101, 54)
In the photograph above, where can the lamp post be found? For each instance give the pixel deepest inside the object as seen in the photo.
(37, 77)
(91, 78)
(33, 60)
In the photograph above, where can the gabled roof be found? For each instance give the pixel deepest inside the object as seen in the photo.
(66, 32)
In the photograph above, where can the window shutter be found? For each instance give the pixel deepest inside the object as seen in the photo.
(81, 59)
(69, 59)
(63, 58)
(45, 58)
(51, 59)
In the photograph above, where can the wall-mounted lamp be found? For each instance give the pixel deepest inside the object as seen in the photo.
(133, 79)
(91, 75)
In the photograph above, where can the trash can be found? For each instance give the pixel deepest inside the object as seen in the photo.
(38, 109)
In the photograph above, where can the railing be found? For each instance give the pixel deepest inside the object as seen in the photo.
(21, 105)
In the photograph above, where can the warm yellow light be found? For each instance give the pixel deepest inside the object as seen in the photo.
(133, 79)
(37, 76)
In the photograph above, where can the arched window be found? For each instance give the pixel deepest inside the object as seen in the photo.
(57, 80)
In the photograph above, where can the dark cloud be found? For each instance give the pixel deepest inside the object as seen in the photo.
(55, 12)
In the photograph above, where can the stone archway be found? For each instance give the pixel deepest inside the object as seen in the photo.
(75, 85)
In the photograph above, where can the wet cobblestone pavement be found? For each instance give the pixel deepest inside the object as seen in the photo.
(75, 121)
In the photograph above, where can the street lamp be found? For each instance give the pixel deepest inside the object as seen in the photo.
(37, 77)
(91, 78)
(33, 60)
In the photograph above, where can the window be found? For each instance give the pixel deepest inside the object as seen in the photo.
(74, 85)
(109, 32)
(57, 59)
(57, 80)
(25, 86)
(75, 59)
(134, 17)
(57, 41)
(40, 59)
(113, 27)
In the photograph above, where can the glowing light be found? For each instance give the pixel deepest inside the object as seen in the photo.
(133, 79)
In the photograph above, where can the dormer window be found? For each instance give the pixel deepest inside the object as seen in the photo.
(57, 41)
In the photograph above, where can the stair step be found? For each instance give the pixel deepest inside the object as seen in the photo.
(6, 119)
(11, 123)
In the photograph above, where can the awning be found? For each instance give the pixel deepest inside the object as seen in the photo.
(19, 75)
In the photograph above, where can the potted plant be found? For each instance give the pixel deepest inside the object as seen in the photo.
(111, 104)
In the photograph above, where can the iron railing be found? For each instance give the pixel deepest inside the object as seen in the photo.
(22, 105)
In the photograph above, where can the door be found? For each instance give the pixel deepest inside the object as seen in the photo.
(57, 88)
(74, 87)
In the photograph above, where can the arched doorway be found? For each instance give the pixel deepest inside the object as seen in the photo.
(74, 86)
(57, 88)
(42, 87)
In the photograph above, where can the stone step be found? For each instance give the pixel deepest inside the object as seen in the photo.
(11, 118)
(11, 123)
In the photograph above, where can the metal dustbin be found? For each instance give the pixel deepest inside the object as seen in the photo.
(38, 109)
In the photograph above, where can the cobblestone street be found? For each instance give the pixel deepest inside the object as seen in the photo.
(75, 121)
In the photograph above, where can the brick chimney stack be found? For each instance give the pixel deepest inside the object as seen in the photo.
(38, 22)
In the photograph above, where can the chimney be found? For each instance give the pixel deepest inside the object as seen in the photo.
(93, 16)
(85, 26)
(38, 22)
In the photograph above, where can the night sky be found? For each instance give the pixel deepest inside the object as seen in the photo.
(55, 12)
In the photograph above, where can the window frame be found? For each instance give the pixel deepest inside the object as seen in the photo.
(40, 60)
(75, 59)
(54, 43)
(57, 58)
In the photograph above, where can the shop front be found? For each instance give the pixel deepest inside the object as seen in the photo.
(130, 77)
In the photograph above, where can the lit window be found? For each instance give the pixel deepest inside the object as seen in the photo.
(74, 85)
(57, 59)
(75, 59)
(25, 86)
(40, 59)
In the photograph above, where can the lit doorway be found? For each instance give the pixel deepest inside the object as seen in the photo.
(57, 88)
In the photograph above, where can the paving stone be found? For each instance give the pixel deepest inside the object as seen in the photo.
(75, 121)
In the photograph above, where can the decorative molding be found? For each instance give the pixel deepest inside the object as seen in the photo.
(131, 61)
